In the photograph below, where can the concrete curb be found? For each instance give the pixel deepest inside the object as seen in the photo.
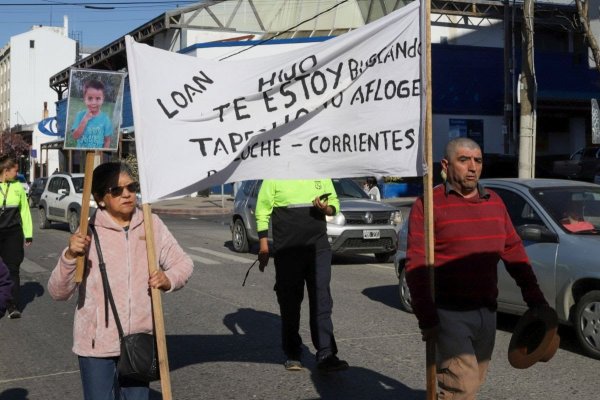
(192, 212)
(209, 206)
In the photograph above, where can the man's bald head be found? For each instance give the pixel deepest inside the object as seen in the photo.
(462, 165)
(457, 143)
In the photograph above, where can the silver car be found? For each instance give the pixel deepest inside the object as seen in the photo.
(362, 225)
(559, 223)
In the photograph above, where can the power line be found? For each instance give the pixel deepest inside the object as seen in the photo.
(287, 30)
(103, 3)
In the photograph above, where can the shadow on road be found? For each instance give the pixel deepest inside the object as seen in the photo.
(15, 394)
(255, 338)
(29, 291)
(361, 383)
(350, 259)
(387, 295)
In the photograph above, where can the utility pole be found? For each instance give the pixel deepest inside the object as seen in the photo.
(584, 17)
(508, 66)
(528, 92)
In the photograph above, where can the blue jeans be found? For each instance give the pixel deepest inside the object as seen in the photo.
(101, 382)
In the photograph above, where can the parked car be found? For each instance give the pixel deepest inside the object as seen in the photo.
(362, 225)
(36, 190)
(566, 262)
(61, 201)
(582, 165)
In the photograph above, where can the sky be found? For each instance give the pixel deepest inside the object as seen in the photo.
(95, 27)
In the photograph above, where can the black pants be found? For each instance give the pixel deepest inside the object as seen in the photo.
(293, 267)
(12, 253)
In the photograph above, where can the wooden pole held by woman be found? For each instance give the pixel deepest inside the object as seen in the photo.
(157, 310)
(85, 209)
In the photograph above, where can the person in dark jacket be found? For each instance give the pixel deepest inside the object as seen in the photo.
(5, 287)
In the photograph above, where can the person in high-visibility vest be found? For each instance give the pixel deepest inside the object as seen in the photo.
(297, 209)
(15, 227)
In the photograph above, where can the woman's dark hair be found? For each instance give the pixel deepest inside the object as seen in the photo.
(106, 176)
(7, 162)
(371, 181)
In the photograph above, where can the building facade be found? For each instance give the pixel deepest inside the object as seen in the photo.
(476, 59)
(26, 64)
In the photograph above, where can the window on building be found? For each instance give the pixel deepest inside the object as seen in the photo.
(32, 44)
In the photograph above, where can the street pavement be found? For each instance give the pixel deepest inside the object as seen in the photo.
(198, 205)
(223, 339)
(222, 205)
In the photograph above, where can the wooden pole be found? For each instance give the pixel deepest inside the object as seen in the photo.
(85, 210)
(431, 384)
(157, 311)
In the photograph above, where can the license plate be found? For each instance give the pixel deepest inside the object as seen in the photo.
(371, 234)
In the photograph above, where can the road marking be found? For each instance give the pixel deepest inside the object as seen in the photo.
(222, 255)
(203, 260)
(38, 376)
(380, 266)
(31, 267)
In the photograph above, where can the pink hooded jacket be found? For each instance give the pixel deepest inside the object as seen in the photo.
(126, 262)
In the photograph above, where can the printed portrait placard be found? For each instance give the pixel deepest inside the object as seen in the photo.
(94, 108)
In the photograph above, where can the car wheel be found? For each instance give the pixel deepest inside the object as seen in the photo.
(587, 323)
(44, 222)
(239, 237)
(383, 257)
(73, 221)
(405, 299)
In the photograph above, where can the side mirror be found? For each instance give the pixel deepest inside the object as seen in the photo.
(537, 233)
(63, 192)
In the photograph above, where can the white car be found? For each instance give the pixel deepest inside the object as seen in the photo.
(61, 201)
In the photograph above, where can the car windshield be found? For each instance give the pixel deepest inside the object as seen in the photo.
(349, 189)
(577, 210)
(78, 184)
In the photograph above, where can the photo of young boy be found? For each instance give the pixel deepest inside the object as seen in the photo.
(94, 110)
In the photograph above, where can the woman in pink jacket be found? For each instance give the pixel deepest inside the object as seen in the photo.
(120, 227)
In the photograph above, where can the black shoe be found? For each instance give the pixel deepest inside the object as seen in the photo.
(13, 312)
(293, 365)
(332, 363)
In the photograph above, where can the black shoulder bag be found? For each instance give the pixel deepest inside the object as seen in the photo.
(139, 357)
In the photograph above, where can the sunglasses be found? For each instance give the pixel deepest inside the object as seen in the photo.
(117, 191)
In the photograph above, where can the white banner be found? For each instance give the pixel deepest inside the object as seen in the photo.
(350, 106)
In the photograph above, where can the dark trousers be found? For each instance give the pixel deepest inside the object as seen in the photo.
(12, 253)
(293, 267)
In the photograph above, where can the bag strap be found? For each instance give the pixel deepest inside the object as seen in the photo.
(108, 297)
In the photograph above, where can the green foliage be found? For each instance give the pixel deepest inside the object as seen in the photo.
(393, 179)
(131, 160)
(13, 144)
(111, 81)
